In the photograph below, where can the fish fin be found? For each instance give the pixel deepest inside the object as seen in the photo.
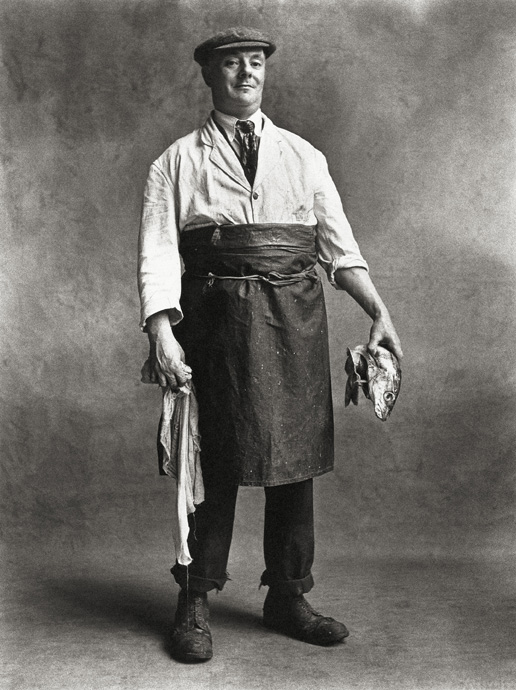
(348, 394)
(362, 374)
(349, 368)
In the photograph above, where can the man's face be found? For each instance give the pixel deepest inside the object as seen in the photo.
(236, 79)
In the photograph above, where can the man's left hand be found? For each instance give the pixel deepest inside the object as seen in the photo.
(383, 333)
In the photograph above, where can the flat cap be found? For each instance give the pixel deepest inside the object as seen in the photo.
(235, 37)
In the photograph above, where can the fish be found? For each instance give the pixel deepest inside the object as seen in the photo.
(378, 374)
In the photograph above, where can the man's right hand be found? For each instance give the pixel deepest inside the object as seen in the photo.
(166, 363)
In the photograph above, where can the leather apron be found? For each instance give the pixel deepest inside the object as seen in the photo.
(255, 334)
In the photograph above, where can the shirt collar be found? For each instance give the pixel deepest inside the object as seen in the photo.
(229, 122)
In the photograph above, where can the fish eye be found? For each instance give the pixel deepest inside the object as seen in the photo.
(388, 397)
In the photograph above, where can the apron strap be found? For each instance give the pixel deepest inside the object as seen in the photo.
(273, 278)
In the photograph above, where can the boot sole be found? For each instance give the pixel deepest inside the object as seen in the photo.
(191, 658)
(304, 637)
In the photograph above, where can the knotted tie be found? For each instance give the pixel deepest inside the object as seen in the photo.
(248, 148)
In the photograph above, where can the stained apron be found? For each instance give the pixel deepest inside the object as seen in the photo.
(255, 334)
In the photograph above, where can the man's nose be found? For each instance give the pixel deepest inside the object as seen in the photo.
(245, 69)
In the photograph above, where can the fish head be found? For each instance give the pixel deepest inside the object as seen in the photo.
(384, 381)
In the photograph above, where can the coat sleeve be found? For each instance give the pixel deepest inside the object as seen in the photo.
(337, 246)
(159, 263)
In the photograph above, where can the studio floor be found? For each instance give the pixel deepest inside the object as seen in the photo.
(100, 621)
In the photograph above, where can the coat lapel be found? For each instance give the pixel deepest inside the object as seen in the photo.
(222, 155)
(270, 153)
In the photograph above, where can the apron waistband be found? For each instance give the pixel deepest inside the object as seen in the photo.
(290, 236)
(273, 278)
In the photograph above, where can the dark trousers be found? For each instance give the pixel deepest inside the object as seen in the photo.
(288, 538)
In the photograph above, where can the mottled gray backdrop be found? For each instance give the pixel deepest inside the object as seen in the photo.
(413, 103)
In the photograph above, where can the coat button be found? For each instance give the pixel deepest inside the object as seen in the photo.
(255, 195)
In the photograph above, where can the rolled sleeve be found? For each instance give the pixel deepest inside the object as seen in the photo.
(159, 263)
(337, 246)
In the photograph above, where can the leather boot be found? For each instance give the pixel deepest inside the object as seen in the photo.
(294, 616)
(191, 636)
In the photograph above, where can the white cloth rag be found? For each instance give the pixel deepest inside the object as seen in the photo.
(181, 460)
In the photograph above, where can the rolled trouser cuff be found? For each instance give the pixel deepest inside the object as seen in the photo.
(288, 587)
(187, 580)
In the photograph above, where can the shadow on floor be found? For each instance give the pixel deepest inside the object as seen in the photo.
(105, 604)
(414, 624)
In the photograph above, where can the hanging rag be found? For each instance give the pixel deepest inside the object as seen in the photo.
(179, 438)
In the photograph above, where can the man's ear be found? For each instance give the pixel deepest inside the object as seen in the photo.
(206, 74)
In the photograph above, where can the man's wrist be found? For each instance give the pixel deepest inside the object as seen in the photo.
(380, 313)
(158, 323)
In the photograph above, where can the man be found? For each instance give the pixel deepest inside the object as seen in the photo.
(250, 208)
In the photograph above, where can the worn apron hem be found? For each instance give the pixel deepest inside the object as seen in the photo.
(282, 482)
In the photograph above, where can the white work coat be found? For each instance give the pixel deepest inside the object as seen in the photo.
(199, 181)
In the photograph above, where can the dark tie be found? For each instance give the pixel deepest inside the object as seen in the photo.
(248, 148)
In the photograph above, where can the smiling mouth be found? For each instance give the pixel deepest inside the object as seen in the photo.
(245, 86)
